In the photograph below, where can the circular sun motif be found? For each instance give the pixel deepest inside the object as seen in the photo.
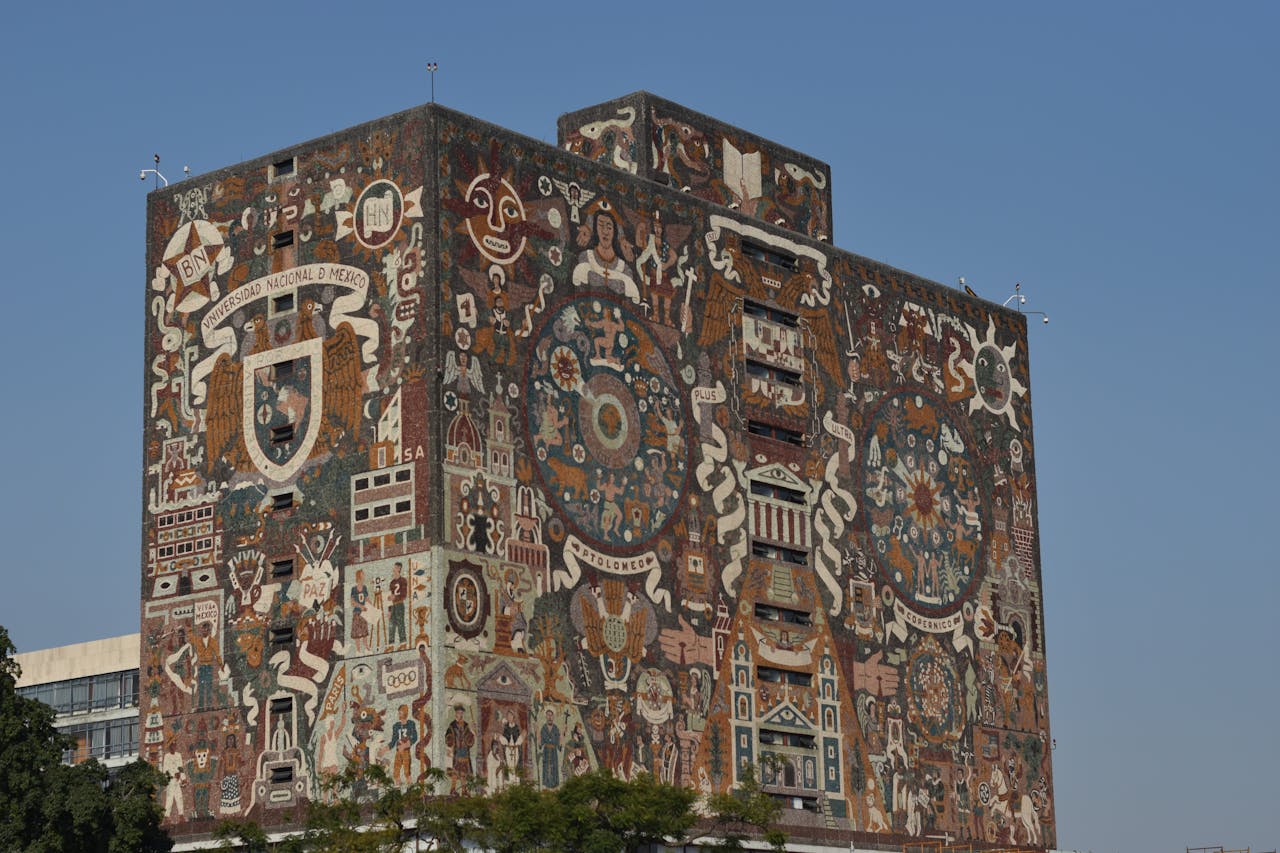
(934, 702)
(564, 369)
(994, 385)
(924, 509)
(606, 422)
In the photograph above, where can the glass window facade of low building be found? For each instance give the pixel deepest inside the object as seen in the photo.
(97, 738)
(93, 689)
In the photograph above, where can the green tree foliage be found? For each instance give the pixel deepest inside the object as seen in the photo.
(243, 835)
(136, 810)
(359, 811)
(362, 811)
(30, 748)
(604, 814)
(49, 807)
(744, 813)
(520, 819)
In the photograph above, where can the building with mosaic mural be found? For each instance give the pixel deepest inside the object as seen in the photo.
(470, 452)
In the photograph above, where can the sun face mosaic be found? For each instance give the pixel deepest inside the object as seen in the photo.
(469, 453)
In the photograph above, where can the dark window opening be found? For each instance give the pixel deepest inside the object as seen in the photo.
(283, 303)
(769, 372)
(769, 255)
(777, 552)
(773, 737)
(773, 675)
(770, 613)
(282, 501)
(282, 775)
(282, 568)
(808, 804)
(284, 167)
(773, 315)
(281, 705)
(782, 493)
(282, 434)
(283, 370)
(790, 436)
(282, 636)
(283, 240)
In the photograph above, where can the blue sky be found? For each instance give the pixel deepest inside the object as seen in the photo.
(1119, 160)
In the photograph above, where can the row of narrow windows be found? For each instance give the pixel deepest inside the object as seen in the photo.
(90, 693)
(185, 517)
(109, 739)
(383, 510)
(401, 476)
(181, 549)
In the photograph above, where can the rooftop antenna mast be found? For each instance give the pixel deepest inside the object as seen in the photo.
(1022, 300)
(142, 175)
(431, 67)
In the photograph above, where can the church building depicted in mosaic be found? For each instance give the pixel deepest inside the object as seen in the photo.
(466, 451)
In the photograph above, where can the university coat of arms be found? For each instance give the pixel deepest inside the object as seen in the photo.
(292, 392)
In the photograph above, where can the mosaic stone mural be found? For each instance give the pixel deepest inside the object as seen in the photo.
(517, 465)
(287, 595)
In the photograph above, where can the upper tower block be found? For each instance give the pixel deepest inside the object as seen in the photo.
(655, 139)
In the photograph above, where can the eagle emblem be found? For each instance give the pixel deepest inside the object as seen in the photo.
(291, 395)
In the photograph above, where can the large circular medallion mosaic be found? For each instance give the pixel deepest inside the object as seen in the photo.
(924, 508)
(935, 702)
(606, 423)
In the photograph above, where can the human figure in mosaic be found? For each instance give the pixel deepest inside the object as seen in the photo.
(495, 767)
(200, 769)
(601, 265)
(512, 744)
(359, 602)
(459, 738)
(609, 326)
(208, 661)
(655, 263)
(398, 590)
(173, 766)
(549, 744)
(230, 784)
(404, 734)
(575, 752)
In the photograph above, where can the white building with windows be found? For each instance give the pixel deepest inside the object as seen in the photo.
(93, 687)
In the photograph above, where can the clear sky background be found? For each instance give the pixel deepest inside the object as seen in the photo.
(1119, 160)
